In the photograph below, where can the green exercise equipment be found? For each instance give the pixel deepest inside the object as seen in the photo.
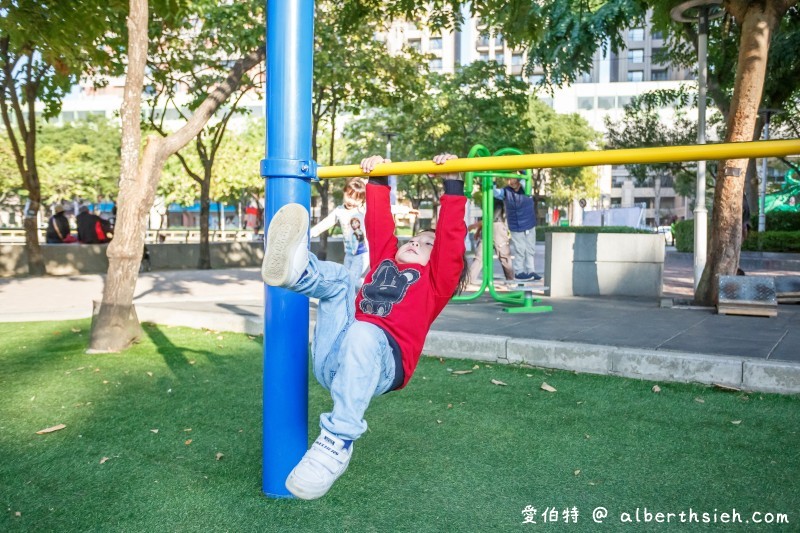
(522, 300)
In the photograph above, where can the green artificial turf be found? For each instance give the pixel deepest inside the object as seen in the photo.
(449, 453)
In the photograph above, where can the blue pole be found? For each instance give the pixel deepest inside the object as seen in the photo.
(288, 169)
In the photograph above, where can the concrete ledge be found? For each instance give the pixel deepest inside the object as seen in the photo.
(201, 320)
(594, 359)
(490, 348)
(771, 376)
(672, 366)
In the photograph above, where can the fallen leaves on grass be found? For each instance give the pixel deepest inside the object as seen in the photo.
(51, 429)
(461, 372)
(736, 422)
(699, 400)
(76, 330)
(656, 388)
(498, 382)
(726, 387)
(153, 431)
(578, 472)
(548, 388)
(149, 374)
(219, 456)
(188, 442)
(103, 460)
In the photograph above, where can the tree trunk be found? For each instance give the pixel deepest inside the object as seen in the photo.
(116, 326)
(31, 225)
(657, 200)
(205, 211)
(758, 20)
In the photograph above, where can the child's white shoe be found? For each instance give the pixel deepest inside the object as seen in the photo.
(320, 467)
(286, 256)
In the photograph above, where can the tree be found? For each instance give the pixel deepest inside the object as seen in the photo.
(479, 103)
(554, 133)
(642, 126)
(758, 20)
(44, 46)
(353, 70)
(116, 325)
(79, 161)
(179, 76)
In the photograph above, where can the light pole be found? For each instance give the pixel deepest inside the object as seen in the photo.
(392, 179)
(700, 11)
(762, 186)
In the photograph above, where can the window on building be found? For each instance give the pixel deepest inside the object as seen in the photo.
(622, 101)
(483, 56)
(605, 102)
(499, 58)
(435, 64)
(548, 102)
(586, 102)
(636, 55)
(657, 35)
(498, 39)
(516, 59)
(415, 44)
(584, 77)
(659, 75)
(636, 34)
(635, 75)
(435, 43)
(483, 41)
(659, 55)
(537, 78)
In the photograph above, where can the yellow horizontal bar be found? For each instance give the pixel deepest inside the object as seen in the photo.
(664, 154)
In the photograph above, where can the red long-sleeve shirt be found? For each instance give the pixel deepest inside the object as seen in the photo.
(403, 299)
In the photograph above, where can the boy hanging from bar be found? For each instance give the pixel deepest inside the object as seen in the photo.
(367, 344)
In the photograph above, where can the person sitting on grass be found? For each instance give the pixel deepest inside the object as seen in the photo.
(369, 344)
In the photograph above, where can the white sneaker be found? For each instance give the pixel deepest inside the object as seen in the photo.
(286, 256)
(320, 467)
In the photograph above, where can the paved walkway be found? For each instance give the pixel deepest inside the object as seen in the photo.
(621, 336)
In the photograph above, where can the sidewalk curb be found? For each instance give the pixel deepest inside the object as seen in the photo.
(651, 365)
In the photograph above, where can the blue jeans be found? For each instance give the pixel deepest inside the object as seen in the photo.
(352, 359)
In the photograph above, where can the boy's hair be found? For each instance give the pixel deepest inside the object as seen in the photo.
(463, 279)
(355, 188)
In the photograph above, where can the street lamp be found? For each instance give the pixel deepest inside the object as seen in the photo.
(762, 187)
(700, 11)
(392, 179)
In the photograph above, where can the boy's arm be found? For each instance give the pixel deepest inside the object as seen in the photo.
(447, 256)
(378, 219)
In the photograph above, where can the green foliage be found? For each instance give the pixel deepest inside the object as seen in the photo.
(79, 160)
(644, 125)
(773, 241)
(780, 221)
(480, 103)
(541, 230)
(556, 133)
(683, 232)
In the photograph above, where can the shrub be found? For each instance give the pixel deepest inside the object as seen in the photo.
(541, 230)
(773, 241)
(683, 232)
(779, 221)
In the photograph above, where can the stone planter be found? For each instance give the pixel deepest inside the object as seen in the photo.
(604, 264)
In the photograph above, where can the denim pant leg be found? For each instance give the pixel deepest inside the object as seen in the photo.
(332, 285)
(365, 369)
(530, 250)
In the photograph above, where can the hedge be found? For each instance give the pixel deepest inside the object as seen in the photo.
(541, 230)
(768, 241)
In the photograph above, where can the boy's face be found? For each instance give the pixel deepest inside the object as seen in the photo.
(514, 183)
(417, 250)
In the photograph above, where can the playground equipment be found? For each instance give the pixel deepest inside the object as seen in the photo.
(523, 300)
(289, 169)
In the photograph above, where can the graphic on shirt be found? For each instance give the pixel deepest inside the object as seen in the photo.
(357, 239)
(388, 287)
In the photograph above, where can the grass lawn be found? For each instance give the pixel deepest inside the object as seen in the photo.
(144, 430)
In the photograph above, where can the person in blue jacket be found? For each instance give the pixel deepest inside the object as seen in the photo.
(521, 218)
